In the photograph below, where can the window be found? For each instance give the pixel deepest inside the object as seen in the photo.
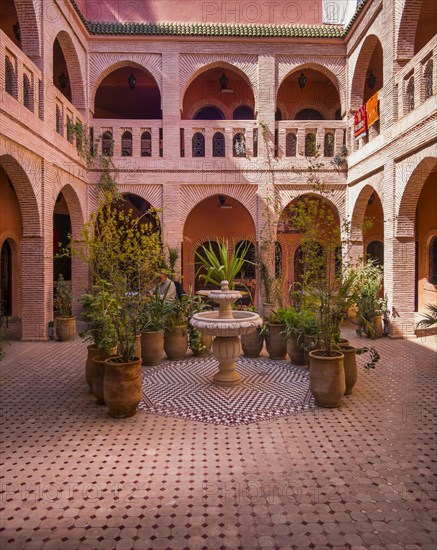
(198, 145)
(218, 145)
(243, 112)
(59, 122)
(9, 77)
(146, 144)
(107, 144)
(290, 145)
(239, 145)
(409, 99)
(27, 93)
(328, 148)
(255, 142)
(310, 145)
(427, 76)
(432, 274)
(126, 144)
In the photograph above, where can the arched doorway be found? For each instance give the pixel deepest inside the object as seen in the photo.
(216, 218)
(61, 239)
(6, 280)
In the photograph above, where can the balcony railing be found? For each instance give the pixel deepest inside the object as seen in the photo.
(20, 78)
(129, 138)
(417, 80)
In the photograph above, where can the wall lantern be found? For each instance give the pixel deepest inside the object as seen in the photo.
(371, 80)
(132, 81)
(63, 80)
(223, 82)
(222, 202)
(302, 80)
(16, 30)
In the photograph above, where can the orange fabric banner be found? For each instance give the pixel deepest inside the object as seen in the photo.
(372, 110)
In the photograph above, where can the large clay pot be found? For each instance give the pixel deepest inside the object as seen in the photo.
(350, 367)
(295, 350)
(122, 388)
(275, 341)
(65, 328)
(252, 343)
(310, 343)
(152, 347)
(327, 380)
(93, 351)
(176, 342)
(98, 377)
(377, 326)
(205, 344)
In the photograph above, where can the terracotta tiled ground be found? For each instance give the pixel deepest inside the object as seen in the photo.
(359, 477)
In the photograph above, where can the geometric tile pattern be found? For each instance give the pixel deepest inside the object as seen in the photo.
(269, 389)
(360, 477)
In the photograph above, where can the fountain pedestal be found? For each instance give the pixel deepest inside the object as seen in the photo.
(226, 325)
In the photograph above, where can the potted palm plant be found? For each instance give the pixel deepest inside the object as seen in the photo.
(156, 310)
(63, 301)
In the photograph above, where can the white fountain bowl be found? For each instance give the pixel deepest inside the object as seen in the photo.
(243, 322)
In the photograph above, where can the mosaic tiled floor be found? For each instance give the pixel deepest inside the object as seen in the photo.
(183, 389)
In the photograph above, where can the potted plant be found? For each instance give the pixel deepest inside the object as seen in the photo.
(350, 363)
(273, 331)
(124, 254)
(370, 304)
(63, 301)
(154, 315)
(200, 344)
(176, 329)
(302, 334)
(252, 343)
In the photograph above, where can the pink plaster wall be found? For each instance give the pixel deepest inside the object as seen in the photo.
(205, 11)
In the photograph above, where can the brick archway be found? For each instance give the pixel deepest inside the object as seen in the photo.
(78, 93)
(359, 211)
(30, 29)
(360, 71)
(407, 28)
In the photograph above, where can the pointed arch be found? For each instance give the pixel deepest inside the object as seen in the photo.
(77, 81)
(359, 211)
(360, 71)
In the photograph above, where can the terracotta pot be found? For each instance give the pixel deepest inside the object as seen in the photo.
(310, 343)
(122, 387)
(275, 341)
(295, 350)
(327, 380)
(377, 325)
(252, 343)
(93, 351)
(176, 342)
(98, 377)
(206, 343)
(152, 347)
(65, 328)
(350, 367)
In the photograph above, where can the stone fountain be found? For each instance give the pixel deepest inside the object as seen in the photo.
(226, 325)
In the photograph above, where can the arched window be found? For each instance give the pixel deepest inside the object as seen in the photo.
(218, 145)
(146, 144)
(6, 280)
(309, 114)
(239, 145)
(328, 146)
(9, 77)
(126, 144)
(27, 93)
(278, 260)
(59, 121)
(278, 114)
(209, 113)
(432, 272)
(243, 112)
(290, 145)
(427, 76)
(409, 95)
(310, 145)
(375, 252)
(198, 145)
(107, 144)
(248, 269)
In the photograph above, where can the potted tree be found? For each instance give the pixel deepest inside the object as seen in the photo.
(176, 329)
(369, 302)
(63, 301)
(156, 310)
(124, 254)
(273, 331)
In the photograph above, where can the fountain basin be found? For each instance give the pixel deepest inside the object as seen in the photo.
(242, 322)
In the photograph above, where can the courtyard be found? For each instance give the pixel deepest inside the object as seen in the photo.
(362, 476)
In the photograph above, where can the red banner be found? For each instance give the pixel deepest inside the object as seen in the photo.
(360, 122)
